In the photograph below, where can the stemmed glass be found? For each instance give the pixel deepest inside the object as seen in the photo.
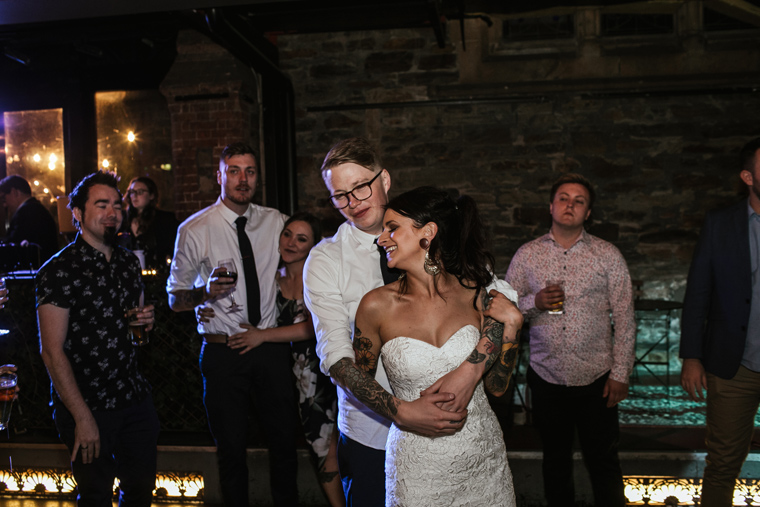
(230, 271)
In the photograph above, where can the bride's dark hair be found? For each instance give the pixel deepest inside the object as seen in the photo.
(460, 244)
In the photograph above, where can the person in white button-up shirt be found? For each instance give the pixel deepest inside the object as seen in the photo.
(235, 378)
(338, 273)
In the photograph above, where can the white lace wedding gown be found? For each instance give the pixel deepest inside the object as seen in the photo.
(468, 468)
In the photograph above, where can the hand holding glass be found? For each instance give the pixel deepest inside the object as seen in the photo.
(138, 328)
(229, 270)
(558, 308)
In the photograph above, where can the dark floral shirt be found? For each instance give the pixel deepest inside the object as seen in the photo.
(97, 294)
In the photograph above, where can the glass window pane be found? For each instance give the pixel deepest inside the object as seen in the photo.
(34, 151)
(134, 139)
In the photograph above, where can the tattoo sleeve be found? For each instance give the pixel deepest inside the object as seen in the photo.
(364, 387)
(497, 379)
(182, 300)
(489, 346)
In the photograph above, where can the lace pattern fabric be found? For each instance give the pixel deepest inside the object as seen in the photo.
(468, 468)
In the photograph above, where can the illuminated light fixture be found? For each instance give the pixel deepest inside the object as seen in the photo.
(105, 163)
(15, 158)
(166, 167)
(9, 160)
(51, 166)
(46, 191)
(53, 158)
(58, 484)
(36, 157)
(149, 272)
(36, 183)
(131, 137)
(644, 490)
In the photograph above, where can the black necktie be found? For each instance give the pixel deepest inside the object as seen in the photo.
(389, 274)
(249, 270)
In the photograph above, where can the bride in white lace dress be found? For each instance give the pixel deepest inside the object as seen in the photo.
(426, 325)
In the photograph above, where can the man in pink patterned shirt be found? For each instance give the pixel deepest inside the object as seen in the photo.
(578, 372)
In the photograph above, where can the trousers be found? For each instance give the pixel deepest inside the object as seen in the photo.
(731, 408)
(232, 383)
(558, 413)
(362, 472)
(128, 450)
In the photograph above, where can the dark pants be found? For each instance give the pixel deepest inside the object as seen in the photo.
(731, 408)
(232, 382)
(558, 411)
(362, 472)
(128, 440)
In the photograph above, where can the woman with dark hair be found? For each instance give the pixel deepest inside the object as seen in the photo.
(318, 400)
(145, 227)
(426, 325)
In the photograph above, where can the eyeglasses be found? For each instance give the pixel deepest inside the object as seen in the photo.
(139, 192)
(360, 193)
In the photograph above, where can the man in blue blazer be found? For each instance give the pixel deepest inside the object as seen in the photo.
(720, 336)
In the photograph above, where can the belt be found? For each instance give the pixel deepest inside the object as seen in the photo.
(214, 338)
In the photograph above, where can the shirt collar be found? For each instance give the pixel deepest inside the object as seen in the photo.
(583, 237)
(229, 215)
(87, 249)
(363, 239)
(751, 211)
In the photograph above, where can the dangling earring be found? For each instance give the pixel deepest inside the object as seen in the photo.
(431, 267)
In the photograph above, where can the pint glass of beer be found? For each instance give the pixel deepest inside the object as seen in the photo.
(559, 307)
(137, 332)
(8, 381)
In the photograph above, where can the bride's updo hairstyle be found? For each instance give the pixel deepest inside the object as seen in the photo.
(459, 247)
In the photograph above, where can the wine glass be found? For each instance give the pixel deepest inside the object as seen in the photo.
(230, 271)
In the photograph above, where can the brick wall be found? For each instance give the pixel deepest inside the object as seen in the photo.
(212, 100)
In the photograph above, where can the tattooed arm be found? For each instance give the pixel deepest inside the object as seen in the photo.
(422, 416)
(183, 300)
(463, 380)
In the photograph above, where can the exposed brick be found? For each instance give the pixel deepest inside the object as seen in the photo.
(383, 63)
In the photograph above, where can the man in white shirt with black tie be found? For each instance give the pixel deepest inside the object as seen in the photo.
(338, 273)
(235, 375)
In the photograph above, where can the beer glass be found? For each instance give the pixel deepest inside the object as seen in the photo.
(8, 383)
(138, 334)
(559, 307)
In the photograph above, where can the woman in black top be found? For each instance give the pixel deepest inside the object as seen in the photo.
(147, 228)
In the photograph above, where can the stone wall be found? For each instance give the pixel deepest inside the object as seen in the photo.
(659, 160)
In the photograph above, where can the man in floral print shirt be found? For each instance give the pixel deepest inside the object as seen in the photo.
(102, 404)
(578, 373)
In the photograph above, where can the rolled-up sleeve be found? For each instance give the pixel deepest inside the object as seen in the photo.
(503, 287)
(185, 264)
(330, 316)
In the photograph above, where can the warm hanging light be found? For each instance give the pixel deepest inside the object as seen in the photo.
(105, 163)
(36, 157)
(131, 137)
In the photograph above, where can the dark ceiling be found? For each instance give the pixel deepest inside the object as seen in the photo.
(133, 42)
